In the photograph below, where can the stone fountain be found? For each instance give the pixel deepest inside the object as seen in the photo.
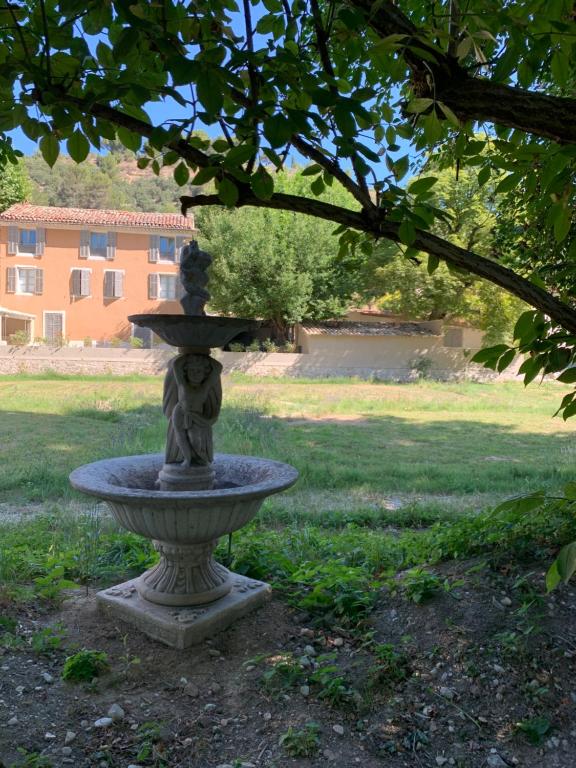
(186, 498)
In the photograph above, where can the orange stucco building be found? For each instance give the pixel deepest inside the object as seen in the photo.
(75, 274)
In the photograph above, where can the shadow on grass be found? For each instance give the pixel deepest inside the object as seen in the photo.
(379, 453)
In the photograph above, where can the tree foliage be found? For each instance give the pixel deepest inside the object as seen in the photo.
(276, 265)
(15, 185)
(101, 181)
(345, 83)
(429, 291)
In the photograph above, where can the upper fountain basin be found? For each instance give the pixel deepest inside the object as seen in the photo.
(128, 485)
(202, 331)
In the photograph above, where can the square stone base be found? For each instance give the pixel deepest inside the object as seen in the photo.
(182, 626)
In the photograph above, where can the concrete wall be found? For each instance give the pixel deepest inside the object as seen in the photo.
(446, 364)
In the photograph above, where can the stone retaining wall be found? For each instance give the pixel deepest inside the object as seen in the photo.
(445, 364)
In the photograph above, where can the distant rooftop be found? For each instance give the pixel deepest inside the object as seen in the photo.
(45, 214)
(351, 328)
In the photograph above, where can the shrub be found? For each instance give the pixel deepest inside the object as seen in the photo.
(19, 338)
(85, 666)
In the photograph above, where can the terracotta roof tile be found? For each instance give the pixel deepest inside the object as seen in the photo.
(351, 328)
(44, 214)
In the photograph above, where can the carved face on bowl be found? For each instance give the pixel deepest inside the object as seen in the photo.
(196, 369)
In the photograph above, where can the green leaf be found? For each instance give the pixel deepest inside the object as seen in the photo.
(420, 186)
(489, 353)
(181, 174)
(78, 146)
(345, 121)
(227, 192)
(506, 359)
(562, 224)
(564, 566)
(433, 263)
(240, 154)
(312, 170)
(262, 184)
(528, 326)
(407, 232)
(318, 186)
(483, 175)
(50, 148)
(568, 376)
(400, 167)
(209, 92)
(448, 114)
(129, 139)
(508, 183)
(205, 175)
(277, 130)
(417, 106)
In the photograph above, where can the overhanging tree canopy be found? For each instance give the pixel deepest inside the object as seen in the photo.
(344, 84)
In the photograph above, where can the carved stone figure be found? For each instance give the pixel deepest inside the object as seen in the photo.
(194, 264)
(192, 400)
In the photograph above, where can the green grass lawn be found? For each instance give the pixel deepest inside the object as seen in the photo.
(380, 464)
(358, 446)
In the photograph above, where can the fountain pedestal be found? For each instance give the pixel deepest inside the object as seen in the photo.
(187, 596)
(181, 627)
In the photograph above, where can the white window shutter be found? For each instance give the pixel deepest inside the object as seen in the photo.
(39, 282)
(12, 241)
(152, 286)
(118, 284)
(84, 282)
(180, 243)
(40, 241)
(111, 246)
(84, 244)
(154, 249)
(10, 279)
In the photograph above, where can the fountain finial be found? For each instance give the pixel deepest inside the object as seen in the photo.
(194, 265)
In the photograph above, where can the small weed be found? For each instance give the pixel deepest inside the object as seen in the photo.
(334, 689)
(51, 586)
(535, 729)
(127, 659)
(392, 666)
(150, 748)
(284, 672)
(302, 743)
(48, 640)
(85, 665)
(420, 585)
(31, 760)
(335, 592)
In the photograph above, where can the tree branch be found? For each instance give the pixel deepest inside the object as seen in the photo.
(469, 97)
(379, 227)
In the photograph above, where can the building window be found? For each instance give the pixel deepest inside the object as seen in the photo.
(80, 283)
(162, 287)
(24, 280)
(167, 249)
(97, 245)
(54, 326)
(167, 287)
(113, 284)
(27, 242)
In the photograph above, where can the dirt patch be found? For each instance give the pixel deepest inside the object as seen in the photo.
(488, 651)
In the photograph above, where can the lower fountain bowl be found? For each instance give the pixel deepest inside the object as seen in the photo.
(128, 484)
(184, 525)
